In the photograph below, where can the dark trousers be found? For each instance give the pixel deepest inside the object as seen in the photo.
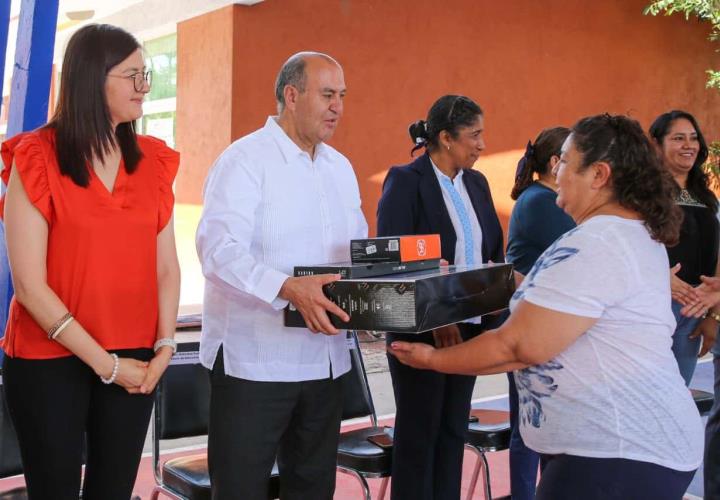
(430, 426)
(711, 468)
(54, 404)
(568, 477)
(253, 423)
(523, 460)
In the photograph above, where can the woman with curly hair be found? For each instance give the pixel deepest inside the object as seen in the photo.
(535, 223)
(590, 329)
(683, 150)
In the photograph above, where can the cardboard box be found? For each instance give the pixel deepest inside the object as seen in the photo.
(420, 301)
(399, 249)
(349, 270)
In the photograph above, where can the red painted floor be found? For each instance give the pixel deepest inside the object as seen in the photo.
(347, 487)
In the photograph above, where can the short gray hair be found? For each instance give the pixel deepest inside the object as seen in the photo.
(293, 73)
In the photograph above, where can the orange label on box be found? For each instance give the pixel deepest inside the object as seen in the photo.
(419, 247)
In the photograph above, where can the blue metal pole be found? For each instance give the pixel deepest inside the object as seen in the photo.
(6, 289)
(29, 93)
(4, 28)
(30, 88)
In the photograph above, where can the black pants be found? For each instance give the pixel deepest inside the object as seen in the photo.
(568, 477)
(253, 423)
(54, 405)
(430, 426)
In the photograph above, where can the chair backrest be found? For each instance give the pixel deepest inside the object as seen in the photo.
(182, 405)
(357, 399)
(10, 462)
(182, 402)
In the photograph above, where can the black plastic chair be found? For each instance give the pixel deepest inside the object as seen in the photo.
(182, 404)
(703, 400)
(357, 456)
(10, 461)
(488, 430)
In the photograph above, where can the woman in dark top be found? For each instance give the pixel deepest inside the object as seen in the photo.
(439, 192)
(535, 223)
(683, 150)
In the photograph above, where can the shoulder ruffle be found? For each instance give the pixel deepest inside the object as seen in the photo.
(25, 151)
(167, 161)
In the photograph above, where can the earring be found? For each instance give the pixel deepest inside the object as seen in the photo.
(448, 147)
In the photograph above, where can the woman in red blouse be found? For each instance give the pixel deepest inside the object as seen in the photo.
(88, 218)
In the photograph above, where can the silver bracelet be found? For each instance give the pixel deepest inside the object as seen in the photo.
(113, 376)
(172, 343)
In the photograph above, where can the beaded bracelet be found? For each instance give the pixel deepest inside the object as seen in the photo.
(113, 376)
(59, 325)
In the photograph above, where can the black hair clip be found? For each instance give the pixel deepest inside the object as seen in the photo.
(522, 164)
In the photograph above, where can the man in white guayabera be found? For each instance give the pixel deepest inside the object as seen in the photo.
(278, 198)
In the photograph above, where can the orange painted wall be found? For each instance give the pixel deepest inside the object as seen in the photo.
(204, 98)
(529, 64)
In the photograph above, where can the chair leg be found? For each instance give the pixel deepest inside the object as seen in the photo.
(360, 478)
(383, 488)
(475, 474)
(159, 489)
(488, 493)
(481, 464)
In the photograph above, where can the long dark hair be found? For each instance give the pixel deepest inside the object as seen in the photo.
(697, 181)
(82, 123)
(639, 182)
(537, 157)
(449, 113)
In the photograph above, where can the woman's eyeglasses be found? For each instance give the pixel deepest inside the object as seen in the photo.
(139, 79)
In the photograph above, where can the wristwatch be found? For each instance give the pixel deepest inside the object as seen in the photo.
(172, 343)
(714, 316)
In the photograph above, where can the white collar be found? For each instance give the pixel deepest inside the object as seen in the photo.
(287, 146)
(441, 175)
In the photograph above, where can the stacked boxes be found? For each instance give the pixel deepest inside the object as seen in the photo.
(419, 301)
(383, 256)
(398, 249)
(366, 270)
(396, 284)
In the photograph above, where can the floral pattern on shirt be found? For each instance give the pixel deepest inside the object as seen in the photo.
(535, 382)
(553, 255)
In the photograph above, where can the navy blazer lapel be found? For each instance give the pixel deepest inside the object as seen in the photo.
(435, 210)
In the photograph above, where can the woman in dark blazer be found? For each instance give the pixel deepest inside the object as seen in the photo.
(439, 192)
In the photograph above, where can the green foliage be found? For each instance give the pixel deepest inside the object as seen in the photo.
(706, 11)
(713, 79)
(712, 165)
